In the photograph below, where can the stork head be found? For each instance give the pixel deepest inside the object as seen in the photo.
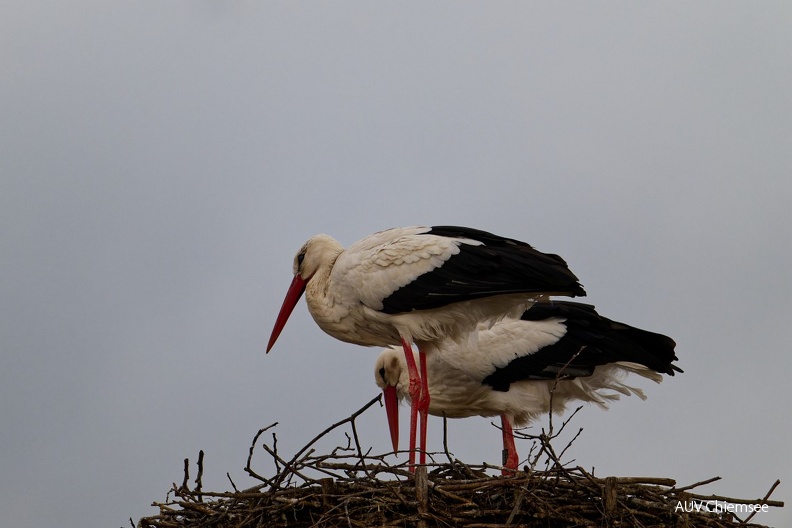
(390, 375)
(320, 251)
(317, 255)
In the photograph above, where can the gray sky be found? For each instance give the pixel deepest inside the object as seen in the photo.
(161, 163)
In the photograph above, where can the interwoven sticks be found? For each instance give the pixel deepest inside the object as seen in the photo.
(351, 487)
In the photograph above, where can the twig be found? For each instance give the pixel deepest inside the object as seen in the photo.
(275, 452)
(185, 484)
(248, 469)
(570, 442)
(517, 505)
(555, 386)
(764, 500)
(232, 482)
(198, 483)
(357, 445)
(445, 439)
(696, 485)
(279, 478)
(289, 468)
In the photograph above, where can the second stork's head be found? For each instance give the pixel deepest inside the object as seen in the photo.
(390, 375)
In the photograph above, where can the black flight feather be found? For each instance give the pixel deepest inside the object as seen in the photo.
(498, 266)
(595, 339)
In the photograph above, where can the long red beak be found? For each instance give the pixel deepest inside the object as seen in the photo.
(392, 410)
(296, 290)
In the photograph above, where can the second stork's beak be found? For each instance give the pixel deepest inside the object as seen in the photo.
(392, 410)
(296, 290)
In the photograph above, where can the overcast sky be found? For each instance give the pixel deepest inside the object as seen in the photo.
(161, 163)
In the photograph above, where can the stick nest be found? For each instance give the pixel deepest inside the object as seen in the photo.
(350, 487)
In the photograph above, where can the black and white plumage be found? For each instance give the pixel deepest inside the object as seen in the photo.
(420, 285)
(512, 368)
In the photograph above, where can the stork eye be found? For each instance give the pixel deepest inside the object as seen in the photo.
(300, 259)
(382, 373)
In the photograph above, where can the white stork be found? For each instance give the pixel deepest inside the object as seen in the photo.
(513, 368)
(420, 285)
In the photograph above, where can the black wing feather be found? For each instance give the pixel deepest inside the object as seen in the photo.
(590, 341)
(498, 266)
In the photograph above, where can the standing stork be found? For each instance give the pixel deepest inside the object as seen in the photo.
(420, 285)
(519, 369)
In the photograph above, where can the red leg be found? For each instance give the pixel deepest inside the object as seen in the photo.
(510, 459)
(423, 404)
(415, 396)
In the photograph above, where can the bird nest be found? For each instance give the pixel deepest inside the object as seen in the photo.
(350, 487)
